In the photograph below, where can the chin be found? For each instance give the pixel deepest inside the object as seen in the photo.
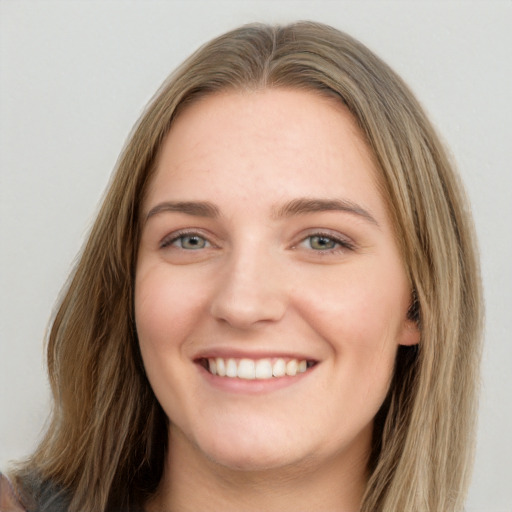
(251, 451)
(253, 461)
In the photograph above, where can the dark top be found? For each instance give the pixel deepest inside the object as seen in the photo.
(41, 497)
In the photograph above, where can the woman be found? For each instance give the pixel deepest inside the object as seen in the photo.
(278, 307)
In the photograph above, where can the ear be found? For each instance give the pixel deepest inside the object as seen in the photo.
(410, 334)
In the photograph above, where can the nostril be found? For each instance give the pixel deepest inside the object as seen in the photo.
(247, 296)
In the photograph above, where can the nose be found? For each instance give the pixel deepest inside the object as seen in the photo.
(251, 290)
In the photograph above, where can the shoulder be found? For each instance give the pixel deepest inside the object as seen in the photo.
(9, 501)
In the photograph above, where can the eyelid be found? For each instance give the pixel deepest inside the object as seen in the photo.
(170, 238)
(344, 243)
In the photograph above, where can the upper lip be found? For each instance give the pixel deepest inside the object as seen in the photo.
(236, 353)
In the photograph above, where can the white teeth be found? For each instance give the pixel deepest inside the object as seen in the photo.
(246, 369)
(279, 368)
(264, 369)
(250, 369)
(221, 367)
(231, 368)
(291, 367)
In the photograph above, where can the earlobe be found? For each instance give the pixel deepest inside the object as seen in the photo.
(410, 333)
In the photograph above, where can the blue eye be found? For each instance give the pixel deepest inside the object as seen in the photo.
(191, 242)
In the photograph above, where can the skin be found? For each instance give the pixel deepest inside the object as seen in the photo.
(257, 283)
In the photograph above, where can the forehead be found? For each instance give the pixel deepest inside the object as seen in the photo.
(274, 140)
(265, 113)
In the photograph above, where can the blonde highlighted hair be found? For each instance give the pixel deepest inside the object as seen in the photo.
(105, 445)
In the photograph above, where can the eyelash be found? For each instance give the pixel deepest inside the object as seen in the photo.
(341, 244)
(174, 237)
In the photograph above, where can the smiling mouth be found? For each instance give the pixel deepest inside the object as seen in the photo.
(250, 369)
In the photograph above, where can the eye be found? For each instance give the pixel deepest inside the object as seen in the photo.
(187, 241)
(323, 242)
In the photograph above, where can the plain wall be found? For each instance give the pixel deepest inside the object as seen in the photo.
(74, 77)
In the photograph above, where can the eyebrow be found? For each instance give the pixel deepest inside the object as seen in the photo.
(306, 205)
(195, 208)
(300, 206)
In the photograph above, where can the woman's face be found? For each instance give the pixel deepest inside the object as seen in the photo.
(267, 254)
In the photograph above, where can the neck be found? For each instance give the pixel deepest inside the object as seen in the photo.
(191, 483)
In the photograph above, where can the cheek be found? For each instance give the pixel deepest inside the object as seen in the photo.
(361, 309)
(165, 317)
(361, 317)
(165, 307)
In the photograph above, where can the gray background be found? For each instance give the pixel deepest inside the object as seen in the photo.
(75, 75)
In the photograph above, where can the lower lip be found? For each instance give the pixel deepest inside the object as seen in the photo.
(252, 387)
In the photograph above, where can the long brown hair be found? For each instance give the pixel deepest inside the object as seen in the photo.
(106, 442)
